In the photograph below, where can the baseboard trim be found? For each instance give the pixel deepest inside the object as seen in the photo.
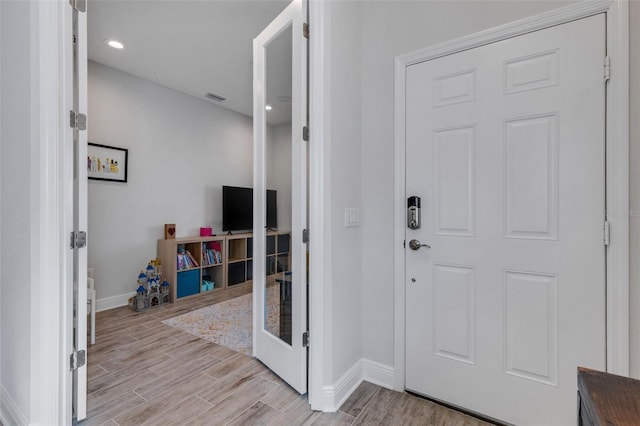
(335, 395)
(379, 374)
(113, 301)
(10, 414)
(363, 370)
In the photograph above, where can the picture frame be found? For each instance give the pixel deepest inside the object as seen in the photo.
(107, 163)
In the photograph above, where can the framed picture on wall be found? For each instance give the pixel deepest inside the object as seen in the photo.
(107, 162)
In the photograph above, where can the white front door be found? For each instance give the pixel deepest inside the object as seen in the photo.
(280, 167)
(505, 147)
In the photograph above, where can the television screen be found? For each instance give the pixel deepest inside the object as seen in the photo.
(237, 209)
(272, 209)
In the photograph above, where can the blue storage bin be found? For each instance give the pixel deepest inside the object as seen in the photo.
(188, 283)
(207, 285)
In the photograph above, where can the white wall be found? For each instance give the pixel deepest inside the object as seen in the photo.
(279, 170)
(345, 189)
(34, 289)
(181, 151)
(391, 28)
(15, 209)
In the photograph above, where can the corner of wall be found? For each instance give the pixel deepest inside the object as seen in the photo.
(113, 302)
(344, 136)
(364, 370)
(10, 414)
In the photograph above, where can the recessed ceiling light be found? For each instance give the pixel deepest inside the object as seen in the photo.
(268, 108)
(115, 44)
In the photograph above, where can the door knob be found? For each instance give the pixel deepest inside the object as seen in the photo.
(415, 245)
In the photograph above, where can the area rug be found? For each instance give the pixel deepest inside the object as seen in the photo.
(230, 323)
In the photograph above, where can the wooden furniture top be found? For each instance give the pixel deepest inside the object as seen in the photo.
(610, 399)
(196, 239)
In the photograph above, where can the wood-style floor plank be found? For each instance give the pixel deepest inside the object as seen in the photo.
(359, 399)
(334, 419)
(143, 372)
(120, 404)
(280, 397)
(229, 408)
(257, 414)
(297, 413)
(189, 408)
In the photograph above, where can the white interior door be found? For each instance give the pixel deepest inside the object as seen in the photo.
(280, 281)
(79, 212)
(505, 146)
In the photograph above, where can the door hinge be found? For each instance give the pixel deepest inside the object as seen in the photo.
(78, 239)
(305, 30)
(305, 236)
(305, 339)
(77, 120)
(77, 359)
(79, 5)
(607, 68)
(305, 133)
(607, 233)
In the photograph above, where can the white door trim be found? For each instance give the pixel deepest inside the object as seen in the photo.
(320, 359)
(617, 146)
(618, 189)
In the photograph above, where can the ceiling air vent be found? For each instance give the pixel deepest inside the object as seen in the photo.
(214, 97)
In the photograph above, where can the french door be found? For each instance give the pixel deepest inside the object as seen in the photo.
(280, 165)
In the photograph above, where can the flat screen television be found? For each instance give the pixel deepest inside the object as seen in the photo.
(237, 208)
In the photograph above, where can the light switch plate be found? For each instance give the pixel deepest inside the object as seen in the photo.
(351, 217)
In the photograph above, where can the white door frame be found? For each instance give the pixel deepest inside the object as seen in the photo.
(617, 147)
(51, 192)
(320, 337)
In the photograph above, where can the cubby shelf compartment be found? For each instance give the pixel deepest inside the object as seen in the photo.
(240, 248)
(195, 280)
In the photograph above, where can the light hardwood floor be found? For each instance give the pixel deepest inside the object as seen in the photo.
(142, 372)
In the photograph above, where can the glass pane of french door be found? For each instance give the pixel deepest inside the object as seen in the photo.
(278, 156)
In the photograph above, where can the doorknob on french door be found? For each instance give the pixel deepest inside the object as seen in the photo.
(415, 245)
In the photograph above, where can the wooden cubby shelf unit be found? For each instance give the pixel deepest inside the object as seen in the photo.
(225, 260)
(209, 273)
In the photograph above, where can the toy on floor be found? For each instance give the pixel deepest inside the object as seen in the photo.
(150, 292)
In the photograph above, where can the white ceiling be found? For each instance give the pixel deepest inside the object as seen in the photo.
(193, 47)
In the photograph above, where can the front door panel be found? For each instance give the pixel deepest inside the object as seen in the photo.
(505, 147)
